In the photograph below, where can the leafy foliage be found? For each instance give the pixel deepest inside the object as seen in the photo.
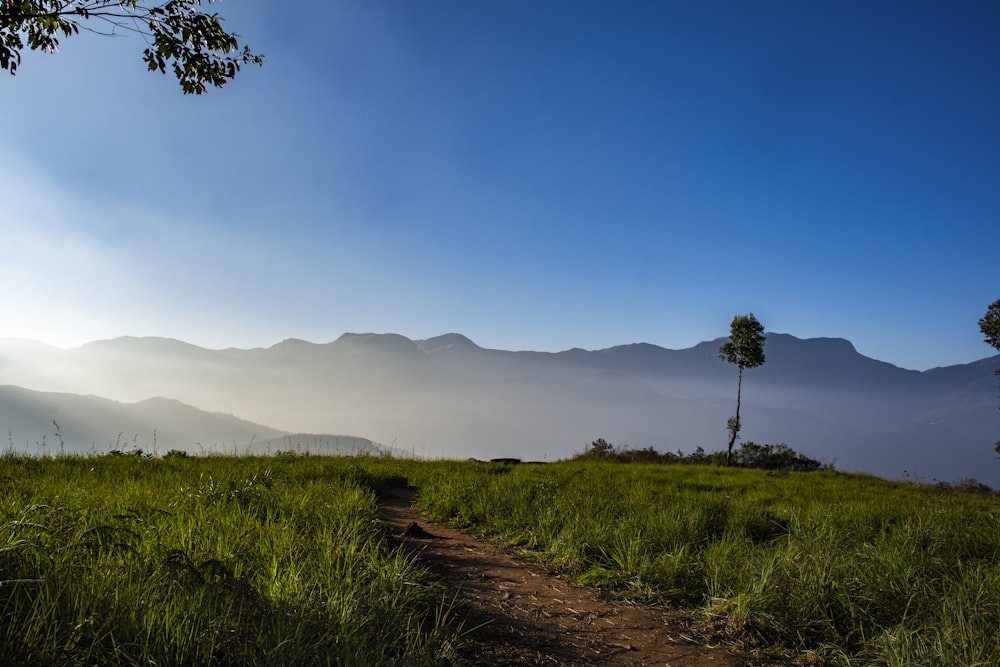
(779, 457)
(774, 457)
(989, 324)
(745, 348)
(600, 448)
(192, 43)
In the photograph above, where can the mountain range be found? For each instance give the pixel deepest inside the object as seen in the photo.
(52, 423)
(446, 396)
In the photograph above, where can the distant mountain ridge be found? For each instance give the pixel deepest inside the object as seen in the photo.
(446, 395)
(46, 422)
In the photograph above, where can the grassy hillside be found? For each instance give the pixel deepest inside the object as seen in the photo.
(824, 566)
(225, 561)
(210, 561)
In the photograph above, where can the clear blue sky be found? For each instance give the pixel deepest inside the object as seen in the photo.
(534, 174)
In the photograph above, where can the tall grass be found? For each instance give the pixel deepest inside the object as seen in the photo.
(845, 569)
(217, 561)
(269, 561)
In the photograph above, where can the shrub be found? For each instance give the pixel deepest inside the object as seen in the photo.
(773, 457)
(749, 455)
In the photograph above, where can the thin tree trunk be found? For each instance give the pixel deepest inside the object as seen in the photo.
(733, 432)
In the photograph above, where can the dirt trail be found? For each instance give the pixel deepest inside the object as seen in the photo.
(527, 616)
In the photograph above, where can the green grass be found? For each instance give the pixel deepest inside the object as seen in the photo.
(213, 561)
(824, 566)
(270, 561)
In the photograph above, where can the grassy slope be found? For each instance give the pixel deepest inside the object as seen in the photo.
(840, 568)
(221, 561)
(116, 560)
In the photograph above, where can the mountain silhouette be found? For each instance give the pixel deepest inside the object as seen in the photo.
(446, 396)
(52, 423)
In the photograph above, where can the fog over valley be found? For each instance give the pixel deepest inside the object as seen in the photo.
(448, 397)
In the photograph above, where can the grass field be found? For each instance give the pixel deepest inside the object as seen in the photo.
(221, 560)
(820, 566)
(206, 561)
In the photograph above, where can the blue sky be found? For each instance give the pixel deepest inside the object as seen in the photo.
(536, 175)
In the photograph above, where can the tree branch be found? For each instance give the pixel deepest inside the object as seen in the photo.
(194, 43)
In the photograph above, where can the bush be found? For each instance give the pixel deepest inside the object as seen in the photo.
(773, 457)
(600, 449)
(137, 453)
(967, 485)
(749, 455)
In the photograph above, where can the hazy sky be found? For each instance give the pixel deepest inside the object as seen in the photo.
(534, 174)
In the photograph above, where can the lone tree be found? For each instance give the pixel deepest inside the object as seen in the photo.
(989, 324)
(199, 51)
(745, 348)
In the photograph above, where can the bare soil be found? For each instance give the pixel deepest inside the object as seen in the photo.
(521, 614)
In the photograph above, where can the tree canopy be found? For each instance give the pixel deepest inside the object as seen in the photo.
(989, 324)
(745, 346)
(177, 34)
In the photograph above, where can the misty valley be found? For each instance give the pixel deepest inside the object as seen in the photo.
(446, 397)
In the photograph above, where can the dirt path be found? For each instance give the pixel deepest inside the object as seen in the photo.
(527, 616)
